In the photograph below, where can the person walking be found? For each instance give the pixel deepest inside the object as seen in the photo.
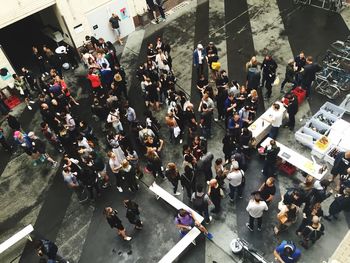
(47, 248)
(114, 221)
(133, 213)
(200, 202)
(114, 21)
(256, 208)
(235, 178)
(286, 217)
(271, 152)
(173, 176)
(115, 165)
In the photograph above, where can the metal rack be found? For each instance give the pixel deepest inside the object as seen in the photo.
(330, 5)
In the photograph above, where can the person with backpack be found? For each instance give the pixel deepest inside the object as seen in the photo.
(188, 181)
(200, 202)
(287, 252)
(48, 249)
(186, 220)
(133, 214)
(312, 232)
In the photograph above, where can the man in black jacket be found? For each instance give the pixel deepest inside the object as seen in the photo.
(269, 67)
(49, 249)
(292, 109)
(308, 74)
(271, 152)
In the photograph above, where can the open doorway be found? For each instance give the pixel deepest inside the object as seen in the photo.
(41, 28)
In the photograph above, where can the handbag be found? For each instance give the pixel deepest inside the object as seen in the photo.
(282, 217)
(277, 81)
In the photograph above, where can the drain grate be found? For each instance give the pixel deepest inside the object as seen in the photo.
(175, 8)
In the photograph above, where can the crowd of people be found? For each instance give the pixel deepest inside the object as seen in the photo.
(85, 166)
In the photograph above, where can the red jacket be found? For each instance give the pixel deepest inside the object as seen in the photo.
(95, 80)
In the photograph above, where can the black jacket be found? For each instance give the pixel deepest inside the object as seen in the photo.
(309, 72)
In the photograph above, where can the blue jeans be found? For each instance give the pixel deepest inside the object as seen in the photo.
(273, 132)
(233, 190)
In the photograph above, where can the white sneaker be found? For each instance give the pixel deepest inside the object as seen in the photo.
(29, 107)
(181, 141)
(120, 189)
(54, 165)
(154, 22)
(32, 102)
(177, 193)
(215, 119)
(162, 168)
(127, 238)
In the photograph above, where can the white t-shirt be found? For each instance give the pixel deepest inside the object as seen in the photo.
(256, 209)
(276, 118)
(235, 177)
(200, 57)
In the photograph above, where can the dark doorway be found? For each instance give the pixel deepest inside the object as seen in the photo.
(18, 38)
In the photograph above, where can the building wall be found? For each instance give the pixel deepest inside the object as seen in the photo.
(73, 12)
(4, 63)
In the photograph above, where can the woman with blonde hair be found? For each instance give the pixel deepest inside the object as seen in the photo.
(114, 221)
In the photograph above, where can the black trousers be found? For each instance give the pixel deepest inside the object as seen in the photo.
(291, 121)
(252, 219)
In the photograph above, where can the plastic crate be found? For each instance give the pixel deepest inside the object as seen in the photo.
(333, 109)
(12, 102)
(287, 168)
(317, 126)
(307, 136)
(300, 93)
(326, 115)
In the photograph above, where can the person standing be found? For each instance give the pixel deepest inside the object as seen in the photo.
(133, 213)
(48, 249)
(39, 61)
(39, 149)
(215, 194)
(128, 172)
(3, 141)
(30, 79)
(269, 67)
(114, 221)
(292, 109)
(13, 122)
(268, 190)
(256, 208)
(115, 165)
(114, 21)
(299, 63)
(199, 57)
(275, 118)
(188, 181)
(309, 74)
(3, 106)
(312, 232)
(200, 202)
(186, 220)
(287, 252)
(173, 176)
(289, 76)
(235, 178)
(271, 152)
(341, 163)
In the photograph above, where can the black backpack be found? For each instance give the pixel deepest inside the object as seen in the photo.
(198, 202)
